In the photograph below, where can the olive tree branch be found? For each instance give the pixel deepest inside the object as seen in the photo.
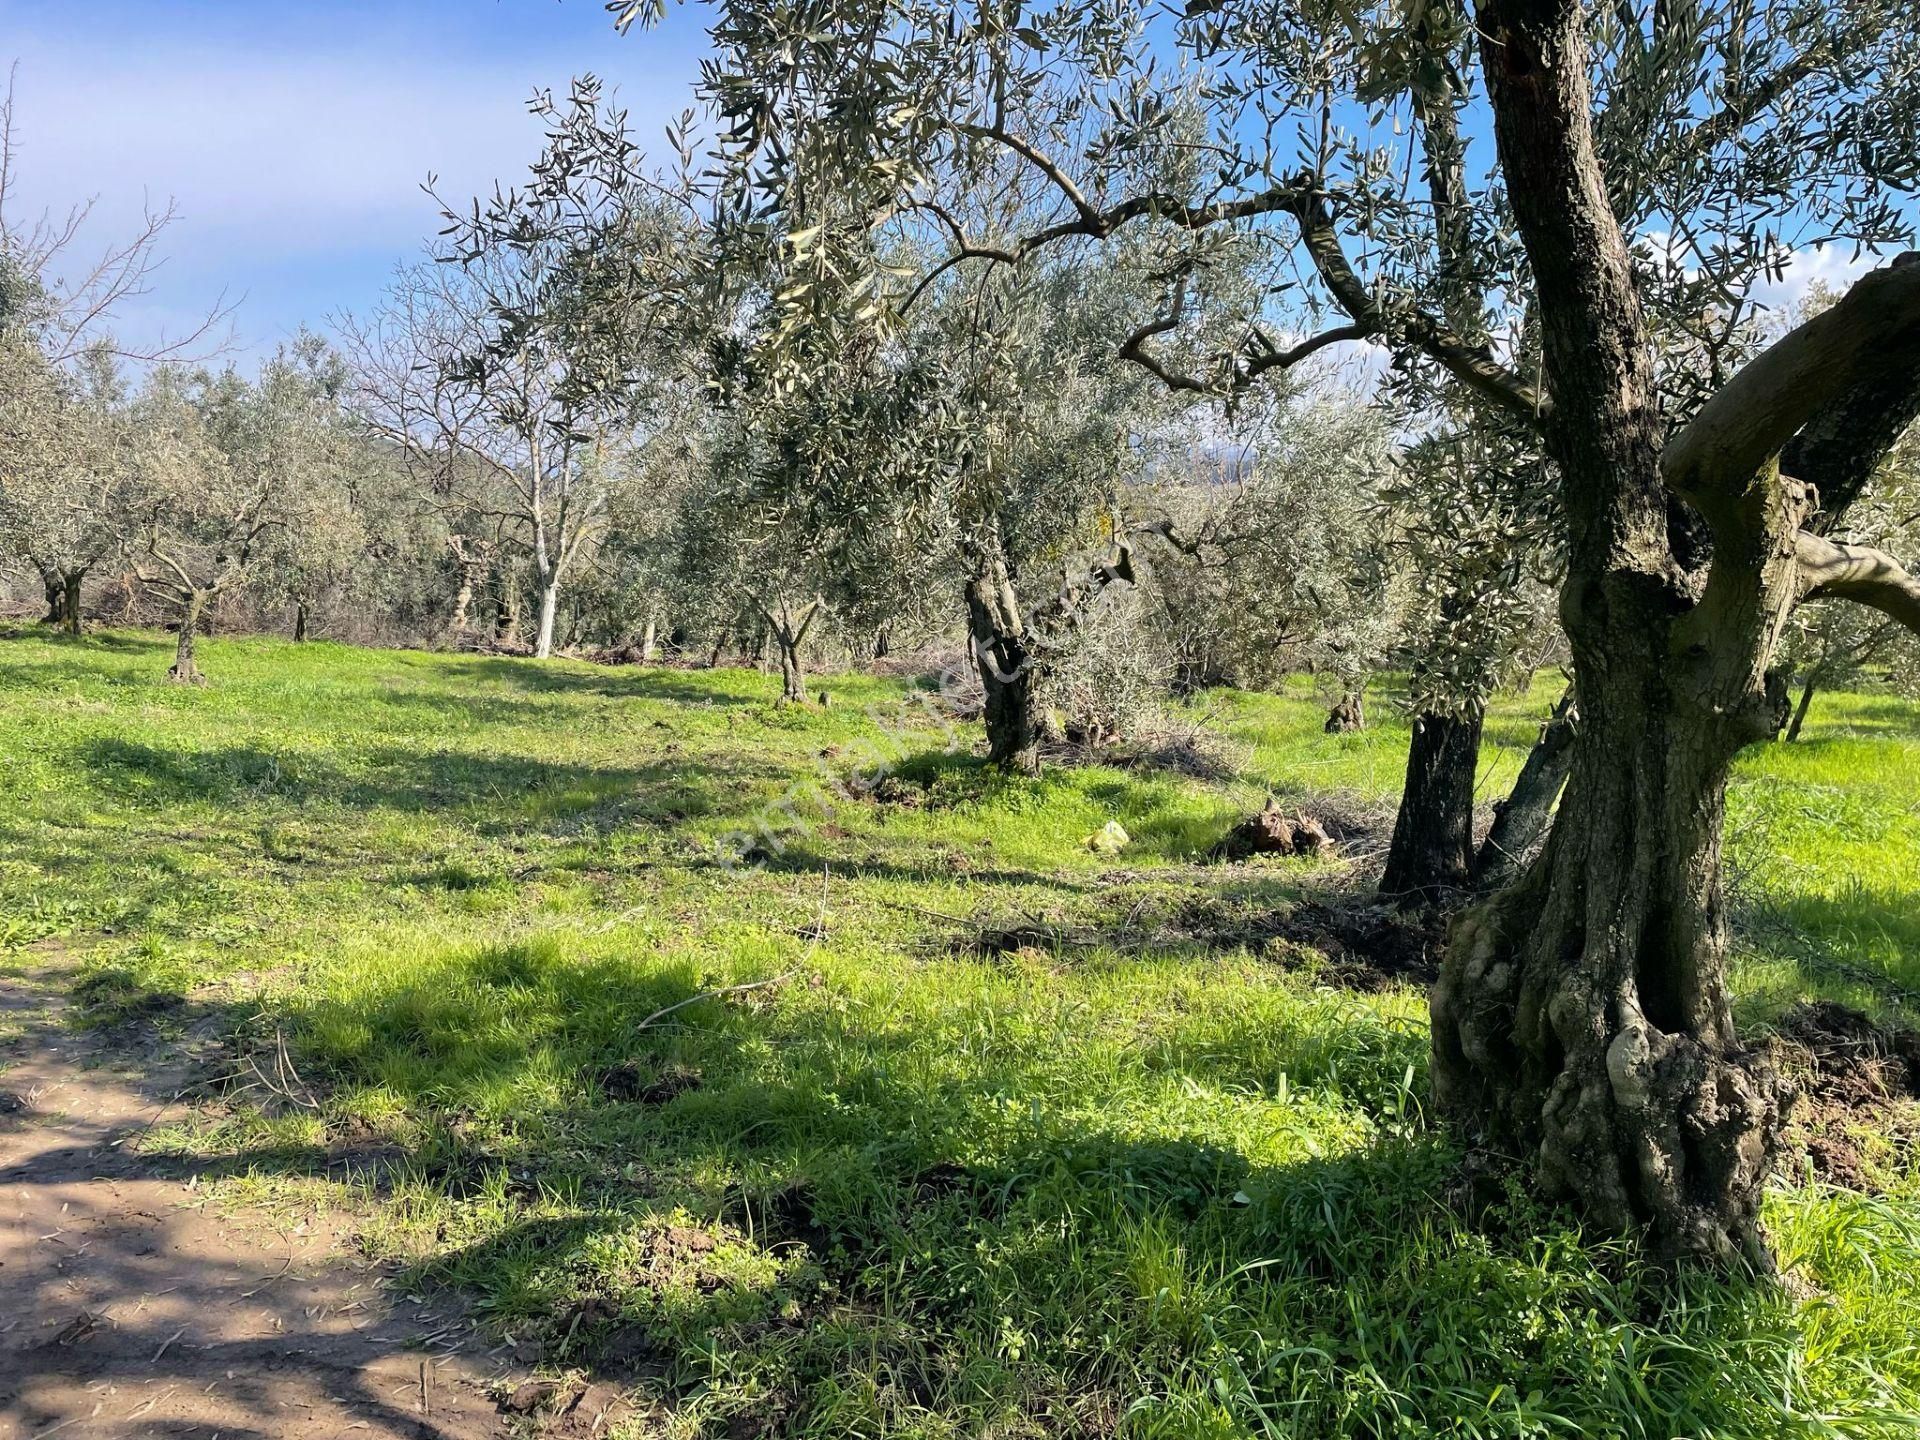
(1835, 570)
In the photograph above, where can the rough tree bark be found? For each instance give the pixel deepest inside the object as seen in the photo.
(70, 612)
(184, 671)
(1349, 715)
(1522, 818)
(788, 630)
(998, 637)
(1582, 1017)
(1431, 852)
(462, 603)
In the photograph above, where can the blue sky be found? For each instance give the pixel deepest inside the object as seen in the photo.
(294, 135)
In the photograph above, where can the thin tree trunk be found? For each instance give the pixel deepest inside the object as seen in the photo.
(549, 608)
(506, 617)
(1431, 852)
(184, 670)
(649, 641)
(301, 616)
(1807, 688)
(1000, 652)
(70, 600)
(793, 678)
(1520, 820)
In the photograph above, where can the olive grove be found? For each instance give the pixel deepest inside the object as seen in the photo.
(1559, 214)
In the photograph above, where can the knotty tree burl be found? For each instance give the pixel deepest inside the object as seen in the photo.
(1653, 163)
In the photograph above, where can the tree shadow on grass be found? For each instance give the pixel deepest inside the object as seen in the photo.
(785, 1186)
(1882, 714)
(519, 789)
(627, 683)
(1866, 939)
(920, 1187)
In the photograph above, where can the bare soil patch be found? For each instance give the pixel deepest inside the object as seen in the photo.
(129, 1307)
(1858, 1085)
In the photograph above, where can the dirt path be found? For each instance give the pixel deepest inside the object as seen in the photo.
(129, 1308)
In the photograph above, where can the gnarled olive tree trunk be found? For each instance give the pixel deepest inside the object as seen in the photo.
(1348, 714)
(70, 613)
(1001, 653)
(50, 582)
(184, 670)
(1582, 1018)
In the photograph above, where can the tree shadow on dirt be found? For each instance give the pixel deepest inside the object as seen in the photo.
(132, 1309)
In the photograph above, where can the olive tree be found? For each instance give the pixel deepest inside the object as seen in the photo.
(304, 563)
(1480, 553)
(230, 469)
(65, 462)
(1274, 558)
(1647, 161)
(1033, 427)
(65, 468)
(518, 364)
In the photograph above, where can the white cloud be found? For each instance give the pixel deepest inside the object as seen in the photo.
(1834, 266)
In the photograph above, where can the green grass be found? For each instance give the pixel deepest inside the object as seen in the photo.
(1136, 1184)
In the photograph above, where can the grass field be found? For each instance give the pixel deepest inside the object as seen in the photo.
(1152, 1172)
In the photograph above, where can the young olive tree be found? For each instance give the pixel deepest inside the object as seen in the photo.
(65, 468)
(780, 529)
(228, 468)
(521, 363)
(747, 562)
(1648, 161)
